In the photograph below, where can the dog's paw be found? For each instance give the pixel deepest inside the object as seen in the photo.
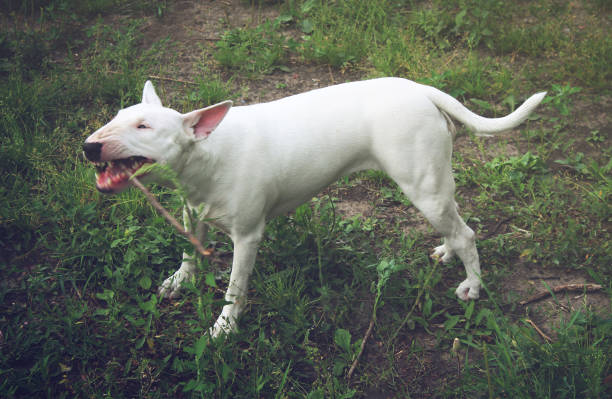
(223, 326)
(468, 290)
(171, 287)
(443, 253)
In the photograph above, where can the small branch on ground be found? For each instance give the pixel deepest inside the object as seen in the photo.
(172, 79)
(544, 278)
(495, 228)
(546, 337)
(331, 75)
(363, 344)
(157, 77)
(562, 288)
(194, 241)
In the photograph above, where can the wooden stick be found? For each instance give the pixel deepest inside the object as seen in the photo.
(373, 320)
(172, 79)
(495, 228)
(194, 241)
(363, 344)
(561, 288)
(546, 337)
(187, 82)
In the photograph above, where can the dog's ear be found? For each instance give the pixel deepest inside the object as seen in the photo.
(149, 96)
(204, 121)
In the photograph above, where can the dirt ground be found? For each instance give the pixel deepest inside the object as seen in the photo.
(194, 26)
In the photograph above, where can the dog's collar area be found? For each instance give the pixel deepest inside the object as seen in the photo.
(113, 176)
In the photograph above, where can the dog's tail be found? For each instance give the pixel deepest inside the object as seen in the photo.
(480, 125)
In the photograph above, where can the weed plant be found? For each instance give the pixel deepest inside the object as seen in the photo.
(253, 50)
(79, 310)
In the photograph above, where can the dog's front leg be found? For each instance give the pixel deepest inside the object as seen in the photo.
(245, 251)
(170, 288)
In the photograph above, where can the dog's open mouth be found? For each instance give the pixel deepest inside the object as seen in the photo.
(113, 176)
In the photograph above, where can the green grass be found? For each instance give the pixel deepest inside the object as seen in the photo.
(79, 312)
(518, 364)
(253, 51)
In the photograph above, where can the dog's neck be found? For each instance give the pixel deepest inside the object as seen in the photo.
(197, 164)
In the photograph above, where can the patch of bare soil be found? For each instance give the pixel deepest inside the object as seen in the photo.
(591, 119)
(363, 199)
(493, 147)
(548, 313)
(193, 28)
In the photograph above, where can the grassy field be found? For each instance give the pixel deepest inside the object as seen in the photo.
(79, 310)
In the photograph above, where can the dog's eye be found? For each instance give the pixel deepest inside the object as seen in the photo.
(141, 126)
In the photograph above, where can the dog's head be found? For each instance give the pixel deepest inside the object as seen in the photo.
(146, 133)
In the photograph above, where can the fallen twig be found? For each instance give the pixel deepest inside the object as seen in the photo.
(383, 276)
(331, 75)
(546, 337)
(544, 278)
(187, 82)
(363, 343)
(495, 228)
(419, 293)
(172, 79)
(562, 288)
(194, 241)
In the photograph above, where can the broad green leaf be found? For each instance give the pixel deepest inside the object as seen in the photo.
(210, 280)
(200, 345)
(145, 282)
(469, 310)
(342, 338)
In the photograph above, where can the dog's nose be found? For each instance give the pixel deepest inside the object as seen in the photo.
(92, 151)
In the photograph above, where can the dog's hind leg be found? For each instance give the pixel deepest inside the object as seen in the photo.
(171, 287)
(430, 187)
(459, 239)
(441, 211)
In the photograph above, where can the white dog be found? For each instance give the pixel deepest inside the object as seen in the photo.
(244, 165)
